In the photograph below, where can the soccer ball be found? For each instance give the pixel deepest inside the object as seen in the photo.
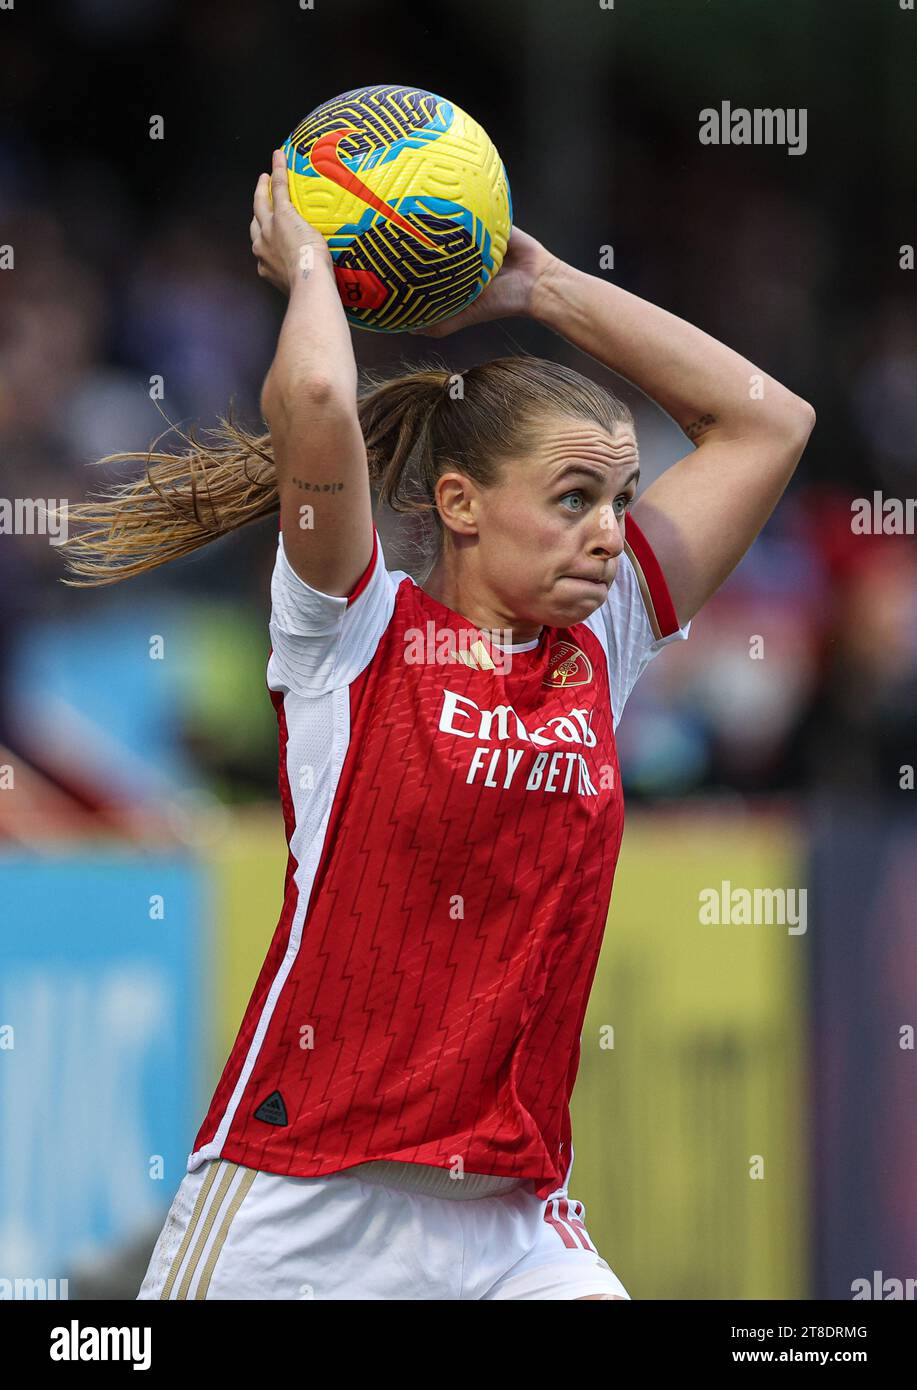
(413, 200)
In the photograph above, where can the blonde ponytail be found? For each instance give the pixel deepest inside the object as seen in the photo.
(416, 426)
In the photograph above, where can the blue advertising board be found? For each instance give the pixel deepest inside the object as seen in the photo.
(103, 1032)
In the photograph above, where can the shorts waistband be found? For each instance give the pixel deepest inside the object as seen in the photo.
(427, 1178)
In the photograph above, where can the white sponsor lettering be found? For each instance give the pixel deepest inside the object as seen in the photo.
(573, 727)
(497, 767)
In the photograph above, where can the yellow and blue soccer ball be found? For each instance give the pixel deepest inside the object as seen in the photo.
(412, 197)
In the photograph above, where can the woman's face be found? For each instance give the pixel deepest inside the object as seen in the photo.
(550, 532)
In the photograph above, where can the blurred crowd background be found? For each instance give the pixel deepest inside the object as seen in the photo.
(132, 260)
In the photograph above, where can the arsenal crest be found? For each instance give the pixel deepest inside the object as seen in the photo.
(567, 665)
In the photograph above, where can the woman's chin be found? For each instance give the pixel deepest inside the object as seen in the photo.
(579, 601)
(578, 610)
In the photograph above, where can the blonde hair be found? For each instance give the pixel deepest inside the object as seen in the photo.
(416, 426)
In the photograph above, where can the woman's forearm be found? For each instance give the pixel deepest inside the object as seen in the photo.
(700, 382)
(314, 353)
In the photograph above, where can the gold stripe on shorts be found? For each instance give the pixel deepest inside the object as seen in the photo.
(189, 1233)
(227, 1171)
(247, 1179)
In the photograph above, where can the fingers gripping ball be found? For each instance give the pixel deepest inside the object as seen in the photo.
(412, 198)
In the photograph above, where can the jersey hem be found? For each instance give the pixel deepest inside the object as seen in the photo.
(555, 1186)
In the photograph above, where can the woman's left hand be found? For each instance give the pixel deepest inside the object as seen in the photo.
(509, 293)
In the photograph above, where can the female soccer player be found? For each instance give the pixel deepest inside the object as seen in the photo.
(393, 1120)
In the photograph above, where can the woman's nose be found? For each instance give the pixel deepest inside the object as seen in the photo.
(610, 538)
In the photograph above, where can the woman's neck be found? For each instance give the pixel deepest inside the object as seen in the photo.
(477, 607)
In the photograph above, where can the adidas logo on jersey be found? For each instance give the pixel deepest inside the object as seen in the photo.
(445, 646)
(272, 1111)
(477, 657)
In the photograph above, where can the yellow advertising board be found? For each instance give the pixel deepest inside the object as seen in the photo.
(689, 1108)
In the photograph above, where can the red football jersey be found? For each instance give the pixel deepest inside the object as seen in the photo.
(454, 813)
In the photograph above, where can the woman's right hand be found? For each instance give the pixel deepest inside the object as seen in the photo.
(286, 245)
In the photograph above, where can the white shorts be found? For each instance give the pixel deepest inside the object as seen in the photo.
(239, 1233)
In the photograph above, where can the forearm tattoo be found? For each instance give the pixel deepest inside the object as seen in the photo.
(316, 487)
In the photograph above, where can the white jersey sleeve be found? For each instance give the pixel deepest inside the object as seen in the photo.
(321, 642)
(636, 620)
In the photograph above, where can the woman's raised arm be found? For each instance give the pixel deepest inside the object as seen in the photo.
(309, 399)
(702, 514)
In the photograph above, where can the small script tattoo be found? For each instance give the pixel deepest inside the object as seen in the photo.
(316, 487)
(699, 426)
